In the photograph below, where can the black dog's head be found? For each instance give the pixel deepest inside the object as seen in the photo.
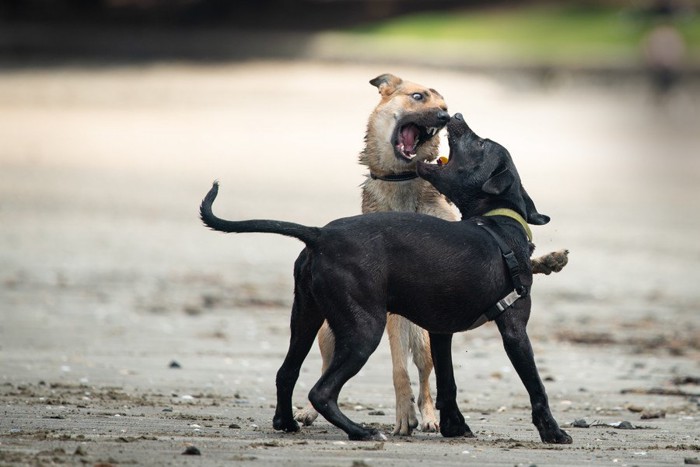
(479, 176)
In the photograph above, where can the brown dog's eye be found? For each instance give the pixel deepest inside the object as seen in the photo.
(417, 96)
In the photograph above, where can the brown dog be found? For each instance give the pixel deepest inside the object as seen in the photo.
(402, 130)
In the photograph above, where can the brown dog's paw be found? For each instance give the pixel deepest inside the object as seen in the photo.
(551, 262)
(429, 421)
(306, 416)
(430, 426)
(406, 420)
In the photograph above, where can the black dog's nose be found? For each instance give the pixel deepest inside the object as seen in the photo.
(459, 117)
(443, 116)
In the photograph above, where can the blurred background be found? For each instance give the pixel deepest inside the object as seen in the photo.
(116, 115)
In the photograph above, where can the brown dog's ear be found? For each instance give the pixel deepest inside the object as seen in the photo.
(386, 83)
(533, 217)
(499, 182)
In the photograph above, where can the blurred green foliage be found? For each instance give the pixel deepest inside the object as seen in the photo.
(539, 30)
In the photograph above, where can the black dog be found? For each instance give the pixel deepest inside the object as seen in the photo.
(444, 276)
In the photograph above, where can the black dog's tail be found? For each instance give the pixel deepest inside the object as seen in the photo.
(306, 234)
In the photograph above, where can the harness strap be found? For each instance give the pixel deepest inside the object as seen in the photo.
(400, 177)
(513, 268)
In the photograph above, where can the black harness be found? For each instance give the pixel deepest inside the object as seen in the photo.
(519, 290)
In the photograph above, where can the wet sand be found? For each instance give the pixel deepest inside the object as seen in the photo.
(107, 276)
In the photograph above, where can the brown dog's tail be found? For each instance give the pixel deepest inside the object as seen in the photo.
(306, 234)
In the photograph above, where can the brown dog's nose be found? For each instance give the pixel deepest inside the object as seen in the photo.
(443, 116)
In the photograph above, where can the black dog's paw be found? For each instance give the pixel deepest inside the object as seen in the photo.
(367, 435)
(452, 424)
(556, 437)
(287, 425)
(456, 430)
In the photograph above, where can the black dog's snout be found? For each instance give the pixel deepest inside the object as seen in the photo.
(458, 127)
(443, 116)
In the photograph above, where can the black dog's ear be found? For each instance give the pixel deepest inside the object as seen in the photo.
(533, 217)
(499, 182)
(386, 83)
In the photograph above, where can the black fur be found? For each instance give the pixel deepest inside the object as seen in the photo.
(441, 275)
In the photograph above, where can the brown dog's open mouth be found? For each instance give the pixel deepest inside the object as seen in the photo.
(409, 136)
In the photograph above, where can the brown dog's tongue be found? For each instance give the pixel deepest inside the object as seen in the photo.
(409, 137)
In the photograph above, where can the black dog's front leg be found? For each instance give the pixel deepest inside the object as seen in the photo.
(451, 420)
(512, 326)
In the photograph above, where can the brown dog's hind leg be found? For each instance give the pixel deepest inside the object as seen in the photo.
(551, 262)
(326, 344)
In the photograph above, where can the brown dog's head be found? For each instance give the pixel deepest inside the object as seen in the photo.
(403, 128)
(479, 176)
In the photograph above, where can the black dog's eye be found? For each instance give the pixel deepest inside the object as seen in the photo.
(417, 96)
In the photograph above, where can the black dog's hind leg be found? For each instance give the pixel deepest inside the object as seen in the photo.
(354, 344)
(305, 323)
(512, 326)
(451, 420)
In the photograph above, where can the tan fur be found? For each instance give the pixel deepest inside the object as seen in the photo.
(415, 195)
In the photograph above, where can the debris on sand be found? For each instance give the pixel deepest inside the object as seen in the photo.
(80, 451)
(649, 415)
(625, 425)
(659, 392)
(191, 451)
(375, 447)
(682, 380)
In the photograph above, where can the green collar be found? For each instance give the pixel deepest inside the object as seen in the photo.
(513, 215)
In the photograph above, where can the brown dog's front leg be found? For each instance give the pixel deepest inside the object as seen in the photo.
(452, 422)
(398, 329)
